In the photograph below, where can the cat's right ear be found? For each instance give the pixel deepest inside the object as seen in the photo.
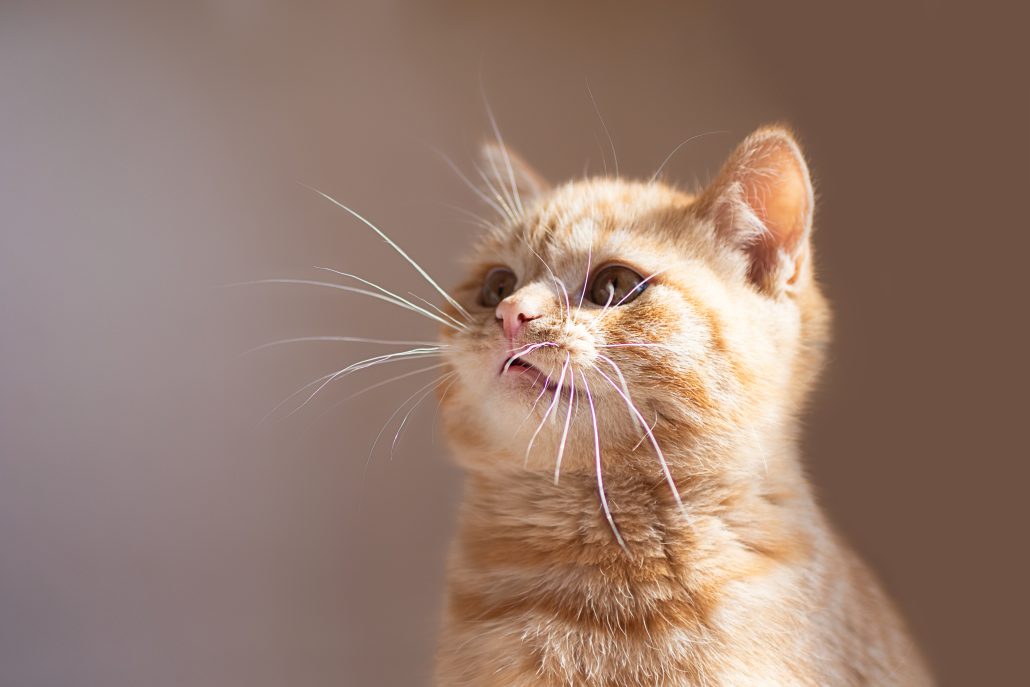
(761, 205)
(505, 168)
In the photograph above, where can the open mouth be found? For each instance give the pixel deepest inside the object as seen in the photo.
(516, 365)
(521, 372)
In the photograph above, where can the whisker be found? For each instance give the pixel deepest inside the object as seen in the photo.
(400, 428)
(675, 150)
(608, 306)
(394, 379)
(439, 403)
(346, 339)
(348, 289)
(654, 442)
(642, 282)
(475, 189)
(396, 412)
(392, 244)
(605, 127)
(550, 408)
(509, 212)
(554, 278)
(597, 466)
(526, 350)
(644, 435)
(586, 277)
(507, 158)
(361, 365)
(536, 402)
(564, 434)
(637, 345)
(437, 309)
(474, 218)
(401, 299)
(625, 385)
(377, 385)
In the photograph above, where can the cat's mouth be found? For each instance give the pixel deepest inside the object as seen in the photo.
(515, 365)
(519, 371)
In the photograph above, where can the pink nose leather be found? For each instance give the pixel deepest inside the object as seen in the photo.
(513, 312)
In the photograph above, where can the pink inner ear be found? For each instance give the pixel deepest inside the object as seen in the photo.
(773, 181)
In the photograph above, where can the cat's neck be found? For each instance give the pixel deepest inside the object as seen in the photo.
(514, 517)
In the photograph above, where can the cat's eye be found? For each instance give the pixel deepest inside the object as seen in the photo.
(498, 285)
(616, 285)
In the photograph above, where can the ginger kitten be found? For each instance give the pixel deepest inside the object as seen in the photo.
(626, 407)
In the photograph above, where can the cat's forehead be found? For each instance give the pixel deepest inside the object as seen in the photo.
(591, 213)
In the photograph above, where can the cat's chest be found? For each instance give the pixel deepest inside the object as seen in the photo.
(600, 627)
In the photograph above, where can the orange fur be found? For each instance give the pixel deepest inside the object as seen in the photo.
(746, 584)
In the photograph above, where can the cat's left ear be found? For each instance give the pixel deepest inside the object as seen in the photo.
(761, 204)
(504, 167)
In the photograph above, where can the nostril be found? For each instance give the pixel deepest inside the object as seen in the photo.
(523, 317)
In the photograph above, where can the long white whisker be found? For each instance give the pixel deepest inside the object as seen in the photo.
(597, 465)
(525, 350)
(474, 218)
(400, 428)
(363, 364)
(605, 127)
(622, 380)
(550, 408)
(396, 412)
(377, 385)
(507, 158)
(642, 282)
(475, 189)
(564, 434)
(654, 442)
(536, 402)
(349, 289)
(608, 306)
(400, 299)
(299, 391)
(346, 339)
(638, 345)
(586, 277)
(498, 195)
(644, 435)
(439, 403)
(559, 286)
(394, 379)
(439, 310)
(675, 150)
(392, 244)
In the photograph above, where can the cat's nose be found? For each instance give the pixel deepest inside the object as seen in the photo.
(514, 311)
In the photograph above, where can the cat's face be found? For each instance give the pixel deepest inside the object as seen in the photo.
(635, 322)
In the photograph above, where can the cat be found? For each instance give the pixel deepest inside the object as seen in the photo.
(626, 385)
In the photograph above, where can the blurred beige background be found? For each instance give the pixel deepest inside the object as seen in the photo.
(152, 534)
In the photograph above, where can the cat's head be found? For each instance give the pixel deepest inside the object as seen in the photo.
(639, 322)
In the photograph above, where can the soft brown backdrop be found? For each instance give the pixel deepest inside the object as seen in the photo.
(151, 534)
